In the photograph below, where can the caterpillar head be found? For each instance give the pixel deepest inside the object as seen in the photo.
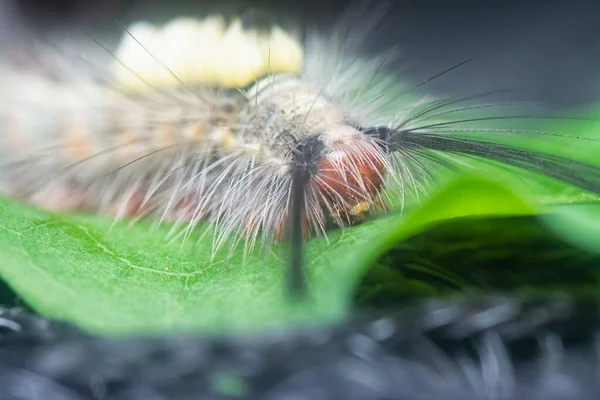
(340, 173)
(350, 174)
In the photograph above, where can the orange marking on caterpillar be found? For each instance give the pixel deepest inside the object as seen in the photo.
(15, 140)
(223, 137)
(351, 175)
(165, 136)
(76, 134)
(280, 231)
(130, 145)
(129, 206)
(198, 130)
(64, 199)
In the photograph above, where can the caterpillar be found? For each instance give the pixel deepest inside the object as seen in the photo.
(256, 133)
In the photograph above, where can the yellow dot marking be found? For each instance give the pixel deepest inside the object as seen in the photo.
(359, 208)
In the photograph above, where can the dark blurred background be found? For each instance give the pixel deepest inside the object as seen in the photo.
(552, 46)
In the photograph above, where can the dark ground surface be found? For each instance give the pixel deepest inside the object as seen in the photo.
(490, 348)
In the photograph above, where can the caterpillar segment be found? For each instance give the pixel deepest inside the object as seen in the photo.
(190, 131)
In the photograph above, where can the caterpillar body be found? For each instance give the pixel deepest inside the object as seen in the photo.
(249, 131)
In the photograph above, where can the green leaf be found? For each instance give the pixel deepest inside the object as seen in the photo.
(130, 278)
(478, 256)
(578, 225)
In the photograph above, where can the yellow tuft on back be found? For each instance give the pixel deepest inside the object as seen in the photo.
(206, 52)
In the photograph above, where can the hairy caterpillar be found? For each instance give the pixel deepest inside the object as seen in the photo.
(252, 131)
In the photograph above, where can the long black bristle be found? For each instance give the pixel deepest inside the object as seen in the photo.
(304, 164)
(581, 174)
